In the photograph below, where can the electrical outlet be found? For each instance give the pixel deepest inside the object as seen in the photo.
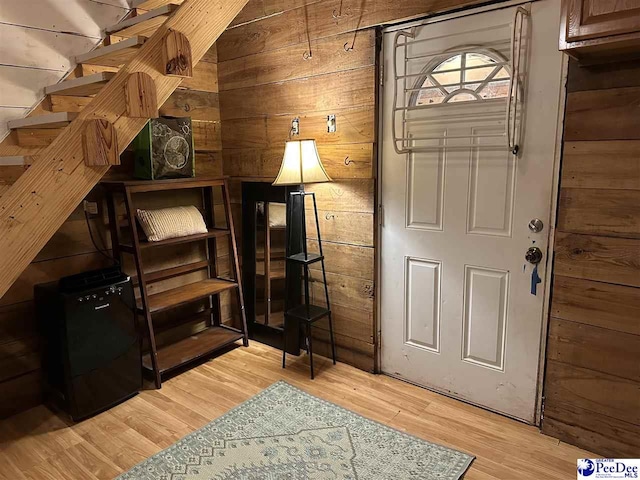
(295, 126)
(90, 207)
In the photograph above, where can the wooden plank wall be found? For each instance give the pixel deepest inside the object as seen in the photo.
(592, 383)
(71, 250)
(39, 39)
(310, 59)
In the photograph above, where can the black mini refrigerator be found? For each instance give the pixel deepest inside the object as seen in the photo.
(91, 348)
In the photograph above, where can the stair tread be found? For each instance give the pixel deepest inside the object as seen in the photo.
(144, 24)
(49, 120)
(113, 55)
(82, 86)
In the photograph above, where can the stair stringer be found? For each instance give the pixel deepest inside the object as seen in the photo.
(35, 207)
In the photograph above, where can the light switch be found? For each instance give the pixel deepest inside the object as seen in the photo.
(331, 124)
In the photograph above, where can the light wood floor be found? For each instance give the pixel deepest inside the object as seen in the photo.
(40, 445)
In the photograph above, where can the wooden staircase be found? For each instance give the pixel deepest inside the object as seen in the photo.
(88, 120)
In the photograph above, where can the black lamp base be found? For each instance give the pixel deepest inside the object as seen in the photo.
(298, 261)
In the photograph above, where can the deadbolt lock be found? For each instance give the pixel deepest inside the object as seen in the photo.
(533, 255)
(536, 225)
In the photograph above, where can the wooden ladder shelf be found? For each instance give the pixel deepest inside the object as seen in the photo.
(217, 335)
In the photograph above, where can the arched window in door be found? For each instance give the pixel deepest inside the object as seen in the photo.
(463, 77)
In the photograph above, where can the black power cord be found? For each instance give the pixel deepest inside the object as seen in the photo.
(101, 251)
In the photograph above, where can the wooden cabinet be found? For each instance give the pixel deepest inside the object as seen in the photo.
(596, 31)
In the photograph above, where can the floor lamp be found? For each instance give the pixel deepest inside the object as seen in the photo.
(301, 164)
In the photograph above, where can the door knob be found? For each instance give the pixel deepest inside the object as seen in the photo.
(533, 255)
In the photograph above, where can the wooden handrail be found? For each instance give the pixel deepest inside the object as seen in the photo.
(35, 207)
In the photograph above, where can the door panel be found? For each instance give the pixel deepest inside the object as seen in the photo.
(425, 190)
(485, 316)
(422, 304)
(457, 312)
(491, 190)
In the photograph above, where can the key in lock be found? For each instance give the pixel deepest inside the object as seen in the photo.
(533, 255)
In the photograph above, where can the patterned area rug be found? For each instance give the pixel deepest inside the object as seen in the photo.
(285, 433)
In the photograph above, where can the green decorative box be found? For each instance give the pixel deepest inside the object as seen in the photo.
(164, 149)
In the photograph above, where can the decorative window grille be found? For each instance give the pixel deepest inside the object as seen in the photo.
(486, 75)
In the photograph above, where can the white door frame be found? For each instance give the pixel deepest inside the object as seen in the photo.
(553, 200)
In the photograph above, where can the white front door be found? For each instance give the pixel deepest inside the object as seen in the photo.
(457, 310)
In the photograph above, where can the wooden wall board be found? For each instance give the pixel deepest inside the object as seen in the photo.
(348, 161)
(208, 164)
(352, 228)
(613, 213)
(293, 62)
(263, 93)
(211, 55)
(610, 437)
(182, 103)
(575, 343)
(355, 260)
(355, 125)
(602, 165)
(257, 9)
(341, 161)
(17, 321)
(348, 350)
(316, 20)
(602, 77)
(602, 115)
(351, 322)
(207, 135)
(190, 103)
(324, 92)
(604, 259)
(594, 333)
(265, 82)
(344, 195)
(73, 236)
(592, 391)
(614, 307)
(47, 271)
(350, 292)
(20, 393)
(19, 362)
(204, 79)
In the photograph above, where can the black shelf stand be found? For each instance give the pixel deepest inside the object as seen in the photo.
(298, 257)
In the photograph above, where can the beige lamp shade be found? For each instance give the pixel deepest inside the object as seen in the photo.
(301, 164)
